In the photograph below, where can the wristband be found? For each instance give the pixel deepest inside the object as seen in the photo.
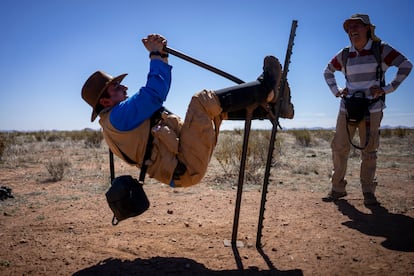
(158, 53)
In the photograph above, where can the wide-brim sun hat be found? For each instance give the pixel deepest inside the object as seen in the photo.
(365, 19)
(95, 86)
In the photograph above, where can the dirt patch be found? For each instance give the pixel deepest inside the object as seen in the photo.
(64, 227)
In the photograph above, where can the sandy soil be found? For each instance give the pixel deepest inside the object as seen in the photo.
(64, 227)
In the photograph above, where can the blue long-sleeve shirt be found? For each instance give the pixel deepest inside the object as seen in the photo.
(131, 112)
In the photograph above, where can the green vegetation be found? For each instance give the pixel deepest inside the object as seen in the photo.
(303, 136)
(229, 152)
(397, 132)
(20, 149)
(57, 167)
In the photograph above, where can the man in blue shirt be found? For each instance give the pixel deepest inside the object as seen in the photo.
(181, 150)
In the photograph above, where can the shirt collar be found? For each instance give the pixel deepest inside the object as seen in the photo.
(366, 47)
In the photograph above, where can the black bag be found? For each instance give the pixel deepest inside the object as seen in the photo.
(357, 107)
(126, 198)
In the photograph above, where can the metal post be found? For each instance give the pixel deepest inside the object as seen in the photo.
(247, 127)
(111, 165)
(202, 64)
(273, 134)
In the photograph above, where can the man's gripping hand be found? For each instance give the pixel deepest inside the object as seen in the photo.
(155, 44)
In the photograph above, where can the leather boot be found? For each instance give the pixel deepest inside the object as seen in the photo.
(286, 109)
(263, 90)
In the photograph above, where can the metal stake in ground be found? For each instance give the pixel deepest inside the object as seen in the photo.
(273, 134)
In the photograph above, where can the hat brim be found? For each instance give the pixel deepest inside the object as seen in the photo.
(345, 25)
(116, 79)
(371, 26)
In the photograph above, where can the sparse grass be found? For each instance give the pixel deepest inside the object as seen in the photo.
(19, 149)
(4, 263)
(301, 157)
(2, 146)
(324, 134)
(93, 139)
(395, 132)
(57, 168)
(303, 136)
(40, 218)
(228, 152)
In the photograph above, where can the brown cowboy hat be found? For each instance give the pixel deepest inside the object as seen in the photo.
(95, 86)
(364, 18)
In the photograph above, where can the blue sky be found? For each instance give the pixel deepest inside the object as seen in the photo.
(49, 48)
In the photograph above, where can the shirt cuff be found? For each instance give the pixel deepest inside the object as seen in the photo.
(388, 89)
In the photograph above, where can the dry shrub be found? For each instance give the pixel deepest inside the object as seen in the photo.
(401, 132)
(303, 136)
(93, 139)
(229, 150)
(386, 132)
(57, 168)
(324, 134)
(398, 132)
(2, 146)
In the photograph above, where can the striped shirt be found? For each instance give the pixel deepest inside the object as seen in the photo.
(361, 71)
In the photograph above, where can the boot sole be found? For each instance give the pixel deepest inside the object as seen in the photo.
(272, 66)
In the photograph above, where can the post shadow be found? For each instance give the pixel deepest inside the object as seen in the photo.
(169, 266)
(397, 229)
(237, 258)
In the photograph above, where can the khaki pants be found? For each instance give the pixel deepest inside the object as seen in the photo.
(341, 148)
(198, 136)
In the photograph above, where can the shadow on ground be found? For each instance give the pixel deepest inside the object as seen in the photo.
(397, 229)
(169, 266)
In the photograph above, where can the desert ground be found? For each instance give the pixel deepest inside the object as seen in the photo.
(62, 225)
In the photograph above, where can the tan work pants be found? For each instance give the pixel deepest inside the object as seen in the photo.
(341, 148)
(198, 136)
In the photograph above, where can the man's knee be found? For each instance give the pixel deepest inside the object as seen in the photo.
(206, 101)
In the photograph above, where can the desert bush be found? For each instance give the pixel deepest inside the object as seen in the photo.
(49, 136)
(2, 146)
(386, 132)
(93, 139)
(398, 132)
(401, 132)
(57, 168)
(229, 150)
(303, 136)
(325, 134)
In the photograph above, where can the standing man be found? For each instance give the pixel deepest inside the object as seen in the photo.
(179, 151)
(364, 67)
